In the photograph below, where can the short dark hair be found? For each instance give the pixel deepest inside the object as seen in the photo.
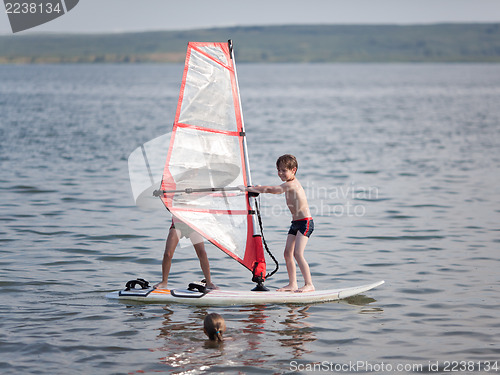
(287, 161)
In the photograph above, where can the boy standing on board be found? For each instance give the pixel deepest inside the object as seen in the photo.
(302, 222)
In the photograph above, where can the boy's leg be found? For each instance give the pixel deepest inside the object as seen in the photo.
(199, 247)
(290, 265)
(170, 245)
(300, 245)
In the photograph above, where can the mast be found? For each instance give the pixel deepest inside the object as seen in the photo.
(245, 147)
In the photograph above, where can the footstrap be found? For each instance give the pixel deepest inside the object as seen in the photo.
(133, 283)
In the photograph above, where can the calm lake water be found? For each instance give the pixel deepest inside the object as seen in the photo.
(402, 167)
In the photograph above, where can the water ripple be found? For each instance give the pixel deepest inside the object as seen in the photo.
(423, 137)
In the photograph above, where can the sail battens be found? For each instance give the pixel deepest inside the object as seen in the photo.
(209, 130)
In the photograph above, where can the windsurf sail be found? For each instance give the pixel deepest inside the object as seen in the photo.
(207, 158)
(145, 168)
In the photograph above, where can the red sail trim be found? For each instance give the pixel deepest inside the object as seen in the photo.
(208, 130)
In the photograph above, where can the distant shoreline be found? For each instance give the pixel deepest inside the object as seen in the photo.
(433, 43)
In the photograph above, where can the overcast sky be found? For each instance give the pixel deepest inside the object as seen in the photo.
(96, 16)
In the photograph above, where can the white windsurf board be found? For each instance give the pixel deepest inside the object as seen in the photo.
(222, 297)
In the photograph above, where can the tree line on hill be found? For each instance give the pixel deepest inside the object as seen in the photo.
(459, 42)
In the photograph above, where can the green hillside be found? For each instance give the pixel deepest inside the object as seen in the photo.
(319, 43)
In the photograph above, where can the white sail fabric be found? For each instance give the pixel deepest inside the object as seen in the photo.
(145, 167)
(207, 151)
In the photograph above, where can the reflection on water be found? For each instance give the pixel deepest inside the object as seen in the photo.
(424, 136)
(296, 332)
(251, 330)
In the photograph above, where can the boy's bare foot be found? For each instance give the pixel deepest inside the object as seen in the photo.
(306, 288)
(287, 288)
(161, 285)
